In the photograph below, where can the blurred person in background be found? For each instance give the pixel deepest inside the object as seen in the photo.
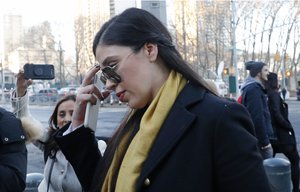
(254, 98)
(283, 92)
(59, 175)
(179, 136)
(285, 141)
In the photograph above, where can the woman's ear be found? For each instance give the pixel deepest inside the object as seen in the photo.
(151, 51)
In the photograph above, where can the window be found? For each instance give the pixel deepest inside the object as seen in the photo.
(155, 4)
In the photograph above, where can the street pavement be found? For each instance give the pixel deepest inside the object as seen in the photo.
(294, 117)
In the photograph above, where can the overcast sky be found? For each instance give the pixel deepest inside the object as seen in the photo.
(60, 13)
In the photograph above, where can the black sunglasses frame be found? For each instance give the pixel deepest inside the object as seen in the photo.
(109, 73)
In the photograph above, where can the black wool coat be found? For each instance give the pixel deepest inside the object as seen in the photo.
(281, 125)
(206, 144)
(13, 153)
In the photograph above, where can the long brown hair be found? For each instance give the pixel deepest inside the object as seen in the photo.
(50, 145)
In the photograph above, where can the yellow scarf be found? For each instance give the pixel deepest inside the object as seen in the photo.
(141, 144)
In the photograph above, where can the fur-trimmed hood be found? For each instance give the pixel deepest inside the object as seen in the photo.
(33, 128)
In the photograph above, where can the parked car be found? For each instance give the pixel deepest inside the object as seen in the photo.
(220, 86)
(67, 90)
(45, 95)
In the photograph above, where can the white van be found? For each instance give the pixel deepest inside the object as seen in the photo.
(222, 88)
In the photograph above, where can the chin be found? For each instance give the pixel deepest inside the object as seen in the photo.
(134, 105)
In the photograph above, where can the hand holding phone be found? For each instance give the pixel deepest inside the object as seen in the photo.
(91, 112)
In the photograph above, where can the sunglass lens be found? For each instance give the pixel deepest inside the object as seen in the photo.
(103, 78)
(109, 73)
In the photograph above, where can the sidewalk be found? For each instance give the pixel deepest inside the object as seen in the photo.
(292, 98)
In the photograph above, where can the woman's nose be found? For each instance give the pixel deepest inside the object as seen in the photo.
(68, 117)
(110, 85)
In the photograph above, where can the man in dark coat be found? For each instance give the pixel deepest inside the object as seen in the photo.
(255, 100)
(13, 153)
(283, 91)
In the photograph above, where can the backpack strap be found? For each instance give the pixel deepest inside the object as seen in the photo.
(241, 98)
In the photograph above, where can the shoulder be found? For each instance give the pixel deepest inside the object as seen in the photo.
(218, 107)
(253, 87)
(220, 115)
(255, 90)
(4, 114)
(10, 128)
(198, 100)
(8, 119)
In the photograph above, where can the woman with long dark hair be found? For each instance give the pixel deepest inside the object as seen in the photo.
(59, 175)
(283, 129)
(179, 135)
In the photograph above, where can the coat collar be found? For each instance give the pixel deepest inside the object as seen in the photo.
(173, 128)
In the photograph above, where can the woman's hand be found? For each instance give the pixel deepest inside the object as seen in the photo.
(87, 92)
(22, 84)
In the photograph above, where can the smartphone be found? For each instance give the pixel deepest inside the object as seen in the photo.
(39, 71)
(91, 112)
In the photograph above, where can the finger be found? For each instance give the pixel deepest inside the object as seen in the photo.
(85, 89)
(83, 99)
(89, 76)
(29, 82)
(20, 76)
(87, 93)
(101, 94)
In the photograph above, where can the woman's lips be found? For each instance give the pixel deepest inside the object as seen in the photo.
(121, 95)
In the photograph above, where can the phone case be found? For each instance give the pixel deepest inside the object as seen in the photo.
(91, 112)
(39, 71)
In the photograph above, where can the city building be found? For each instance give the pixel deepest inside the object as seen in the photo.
(12, 36)
(158, 8)
(19, 49)
(89, 17)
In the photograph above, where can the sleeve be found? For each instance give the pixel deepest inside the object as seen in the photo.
(275, 109)
(33, 127)
(20, 105)
(255, 106)
(80, 148)
(238, 163)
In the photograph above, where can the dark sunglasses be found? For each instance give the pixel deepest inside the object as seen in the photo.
(109, 73)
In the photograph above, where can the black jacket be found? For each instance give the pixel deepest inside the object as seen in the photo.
(13, 153)
(205, 144)
(279, 114)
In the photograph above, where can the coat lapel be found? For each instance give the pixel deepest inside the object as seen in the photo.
(174, 127)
